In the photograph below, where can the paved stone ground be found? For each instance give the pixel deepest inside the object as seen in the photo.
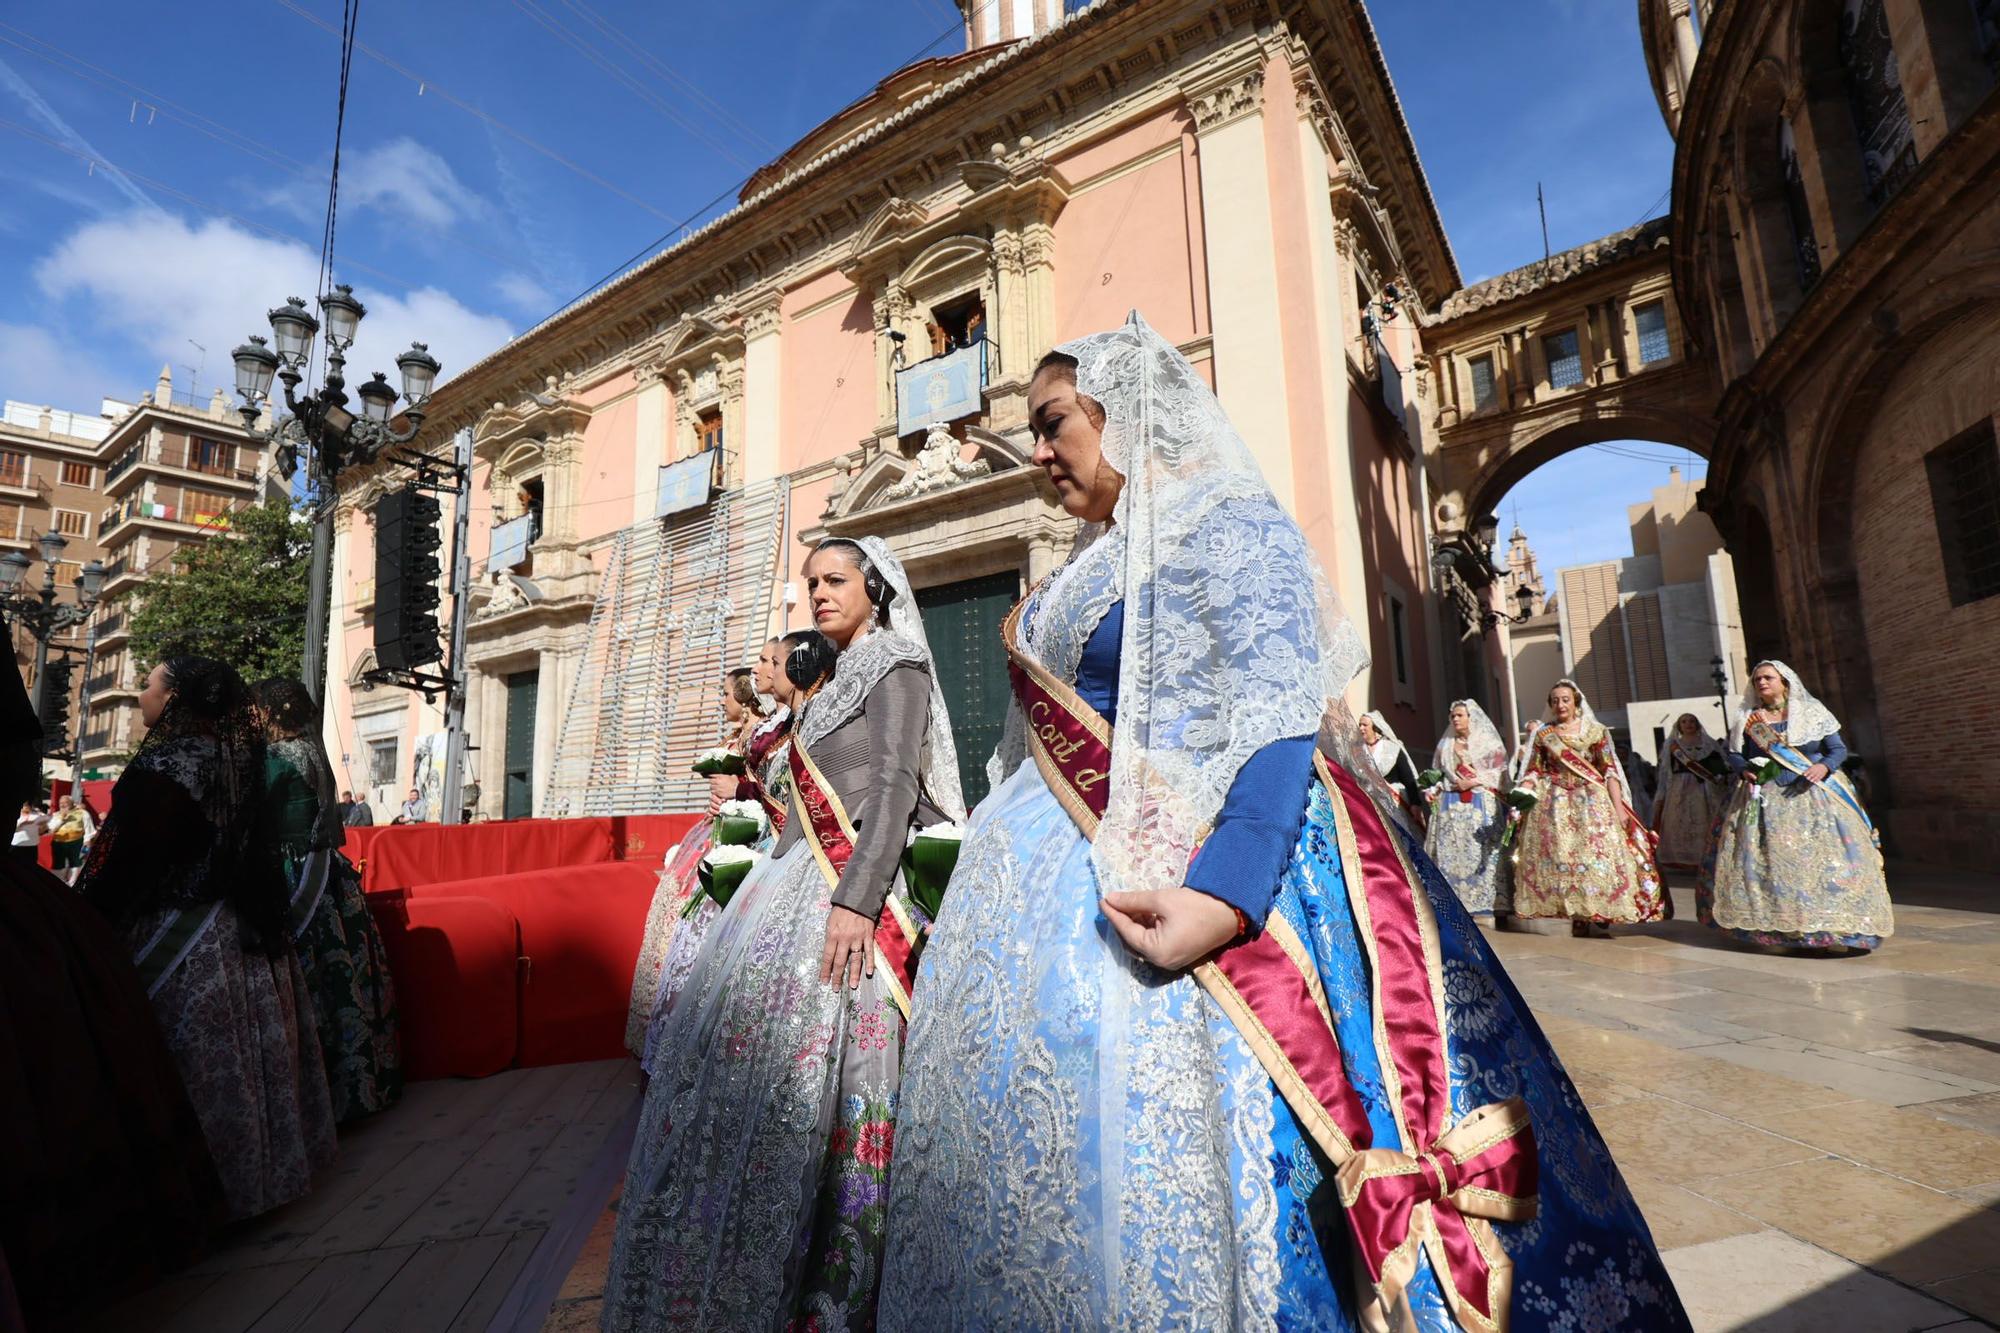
(1815, 1141)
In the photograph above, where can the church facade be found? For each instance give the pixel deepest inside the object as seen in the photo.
(847, 351)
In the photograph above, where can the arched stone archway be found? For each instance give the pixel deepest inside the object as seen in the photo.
(1681, 430)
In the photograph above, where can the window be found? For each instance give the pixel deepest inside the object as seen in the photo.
(1804, 244)
(10, 519)
(957, 323)
(78, 474)
(1986, 31)
(1965, 494)
(209, 455)
(708, 429)
(67, 571)
(72, 523)
(1485, 391)
(1565, 363)
(1875, 96)
(13, 468)
(1651, 321)
(203, 507)
(1399, 633)
(382, 762)
(530, 497)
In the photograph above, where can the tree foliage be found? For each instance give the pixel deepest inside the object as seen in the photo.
(240, 598)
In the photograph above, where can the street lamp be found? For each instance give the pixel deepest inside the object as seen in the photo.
(39, 613)
(333, 436)
(1718, 671)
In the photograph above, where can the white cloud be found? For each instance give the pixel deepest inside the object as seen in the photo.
(158, 281)
(401, 179)
(524, 293)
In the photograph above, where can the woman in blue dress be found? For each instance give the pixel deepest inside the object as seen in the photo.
(1795, 861)
(1200, 1039)
(1468, 819)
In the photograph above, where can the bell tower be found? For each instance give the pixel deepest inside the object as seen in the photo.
(992, 22)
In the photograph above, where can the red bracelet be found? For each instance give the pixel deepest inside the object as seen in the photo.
(1242, 923)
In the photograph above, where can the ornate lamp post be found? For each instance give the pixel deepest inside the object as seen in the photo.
(38, 611)
(1718, 671)
(334, 437)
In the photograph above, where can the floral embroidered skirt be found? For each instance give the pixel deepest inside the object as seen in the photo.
(1794, 865)
(670, 895)
(241, 1030)
(1085, 1142)
(354, 1001)
(1573, 858)
(1463, 839)
(1688, 810)
(757, 1185)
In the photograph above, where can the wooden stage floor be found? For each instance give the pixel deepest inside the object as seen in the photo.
(462, 1208)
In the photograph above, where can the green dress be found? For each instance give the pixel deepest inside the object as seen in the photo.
(347, 972)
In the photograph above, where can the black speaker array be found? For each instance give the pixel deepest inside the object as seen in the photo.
(407, 542)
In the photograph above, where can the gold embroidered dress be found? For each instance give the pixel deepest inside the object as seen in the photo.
(1580, 852)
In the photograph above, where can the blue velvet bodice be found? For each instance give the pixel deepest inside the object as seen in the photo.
(1244, 855)
(1829, 749)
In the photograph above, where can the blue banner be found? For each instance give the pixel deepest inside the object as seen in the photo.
(944, 388)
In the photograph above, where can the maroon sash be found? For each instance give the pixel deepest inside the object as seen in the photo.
(1070, 740)
(830, 834)
(1441, 1196)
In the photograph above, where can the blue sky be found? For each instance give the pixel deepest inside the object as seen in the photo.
(163, 168)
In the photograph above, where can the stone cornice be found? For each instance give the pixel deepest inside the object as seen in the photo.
(1643, 242)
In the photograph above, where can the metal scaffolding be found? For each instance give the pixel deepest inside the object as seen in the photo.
(683, 599)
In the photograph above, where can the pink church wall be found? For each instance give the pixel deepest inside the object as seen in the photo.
(1391, 544)
(829, 374)
(1306, 363)
(1141, 231)
(606, 484)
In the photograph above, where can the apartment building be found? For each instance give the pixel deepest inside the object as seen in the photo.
(127, 487)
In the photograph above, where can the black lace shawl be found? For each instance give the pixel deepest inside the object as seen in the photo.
(186, 823)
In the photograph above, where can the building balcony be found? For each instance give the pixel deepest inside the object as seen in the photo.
(113, 628)
(133, 467)
(120, 575)
(109, 686)
(120, 523)
(22, 484)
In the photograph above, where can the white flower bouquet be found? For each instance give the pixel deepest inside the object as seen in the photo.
(723, 870)
(719, 762)
(928, 861)
(739, 824)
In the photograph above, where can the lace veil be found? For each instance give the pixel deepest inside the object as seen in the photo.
(1704, 744)
(1233, 638)
(1387, 745)
(873, 656)
(1484, 747)
(1617, 776)
(1806, 718)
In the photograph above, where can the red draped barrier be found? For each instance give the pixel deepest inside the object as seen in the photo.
(457, 966)
(648, 837)
(580, 928)
(513, 943)
(399, 855)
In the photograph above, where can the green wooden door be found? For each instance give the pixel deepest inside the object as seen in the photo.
(522, 687)
(962, 621)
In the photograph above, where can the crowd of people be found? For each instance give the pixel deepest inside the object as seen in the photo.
(1575, 826)
(183, 1029)
(1125, 1070)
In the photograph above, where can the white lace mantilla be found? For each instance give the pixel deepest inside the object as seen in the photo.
(1233, 637)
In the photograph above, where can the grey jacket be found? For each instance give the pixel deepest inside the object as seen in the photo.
(871, 762)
